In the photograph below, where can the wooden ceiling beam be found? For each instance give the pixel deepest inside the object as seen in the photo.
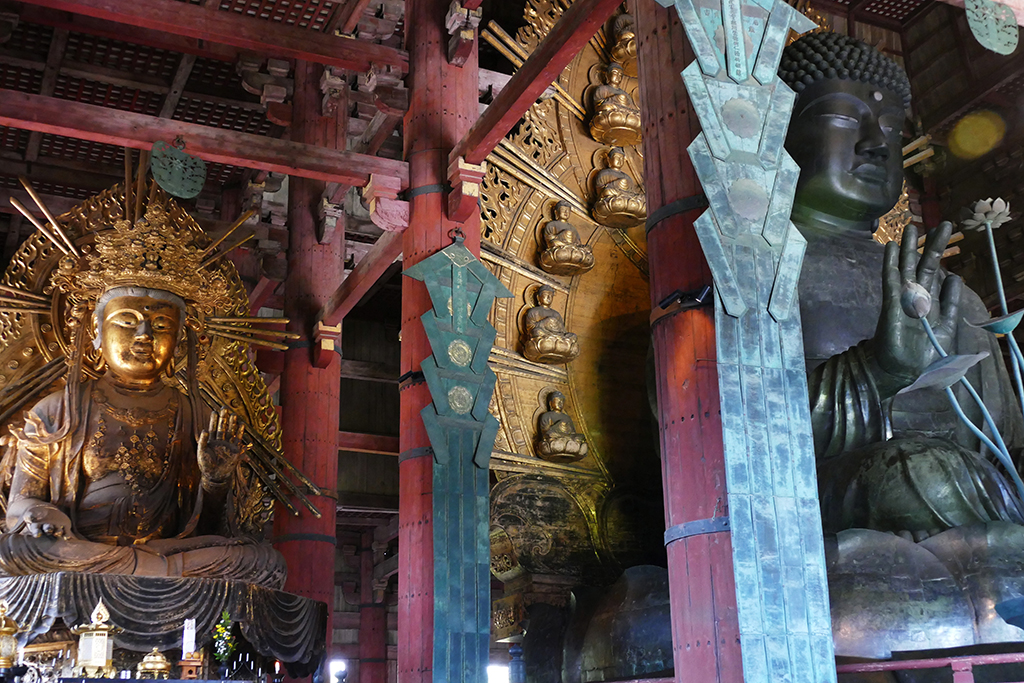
(367, 443)
(346, 18)
(139, 36)
(574, 29)
(363, 277)
(58, 43)
(209, 23)
(177, 88)
(138, 131)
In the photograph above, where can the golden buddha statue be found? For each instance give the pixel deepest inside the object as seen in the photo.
(619, 202)
(115, 472)
(564, 254)
(624, 49)
(616, 119)
(557, 440)
(545, 339)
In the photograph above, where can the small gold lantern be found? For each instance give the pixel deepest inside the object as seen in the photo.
(95, 647)
(154, 665)
(8, 642)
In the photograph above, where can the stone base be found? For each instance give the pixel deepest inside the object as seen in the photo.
(151, 612)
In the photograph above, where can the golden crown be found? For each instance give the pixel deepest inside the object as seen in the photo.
(151, 253)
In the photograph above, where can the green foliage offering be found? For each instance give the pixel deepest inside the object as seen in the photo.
(224, 642)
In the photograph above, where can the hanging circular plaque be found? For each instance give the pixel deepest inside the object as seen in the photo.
(179, 174)
(993, 24)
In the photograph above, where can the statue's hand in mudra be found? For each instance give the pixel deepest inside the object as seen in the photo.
(46, 520)
(220, 448)
(901, 344)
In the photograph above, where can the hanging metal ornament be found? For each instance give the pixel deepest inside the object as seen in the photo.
(993, 24)
(179, 174)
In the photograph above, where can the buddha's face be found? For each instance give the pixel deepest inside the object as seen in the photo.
(614, 76)
(556, 402)
(845, 136)
(615, 159)
(562, 212)
(139, 336)
(545, 297)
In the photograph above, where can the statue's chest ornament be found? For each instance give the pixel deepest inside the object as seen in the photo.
(140, 454)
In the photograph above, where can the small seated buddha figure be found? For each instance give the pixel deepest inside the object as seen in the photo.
(925, 533)
(557, 440)
(624, 49)
(564, 254)
(118, 475)
(616, 119)
(545, 339)
(618, 202)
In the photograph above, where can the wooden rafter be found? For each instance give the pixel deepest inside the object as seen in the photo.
(574, 29)
(237, 30)
(364, 276)
(346, 17)
(177, 88)
(51, 69)
(128, 129)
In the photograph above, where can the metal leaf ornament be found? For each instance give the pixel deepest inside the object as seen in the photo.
(178, 173)
(1004, 324)
(993, 24)
(945, 372)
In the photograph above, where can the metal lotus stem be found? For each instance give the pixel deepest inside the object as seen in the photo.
(1016, 361)
(999, 447)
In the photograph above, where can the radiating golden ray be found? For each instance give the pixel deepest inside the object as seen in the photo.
(237, 224)
(39, 226)
(54, 225)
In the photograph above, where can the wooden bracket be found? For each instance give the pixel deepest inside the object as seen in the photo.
(272, 86)
(334, 86)
(464, 197)
(326, 344)
(462, 21)
(328, 214)
(387, 211)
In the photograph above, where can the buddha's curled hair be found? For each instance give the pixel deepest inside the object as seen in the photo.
(816, 56)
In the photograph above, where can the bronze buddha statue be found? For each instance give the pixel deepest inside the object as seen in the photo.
(545, 339)
(563, 253)
(616, 118)
(557, 439)
(619, 202)
(117, 474)
(904, 487)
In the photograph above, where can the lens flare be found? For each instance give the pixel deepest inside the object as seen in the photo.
(976, 134)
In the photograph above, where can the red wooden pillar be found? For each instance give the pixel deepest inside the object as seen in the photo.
(310, 396)
(373, 633)
(705, 631)
(443, 105)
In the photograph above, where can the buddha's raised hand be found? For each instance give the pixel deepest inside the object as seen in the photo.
(220, 448)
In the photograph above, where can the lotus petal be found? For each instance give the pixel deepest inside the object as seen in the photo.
(999, 205)
(945, 372)
(1004, 324)
(983, 206)
(980, 217)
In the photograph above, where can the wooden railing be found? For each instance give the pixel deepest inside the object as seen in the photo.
(962, 666)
